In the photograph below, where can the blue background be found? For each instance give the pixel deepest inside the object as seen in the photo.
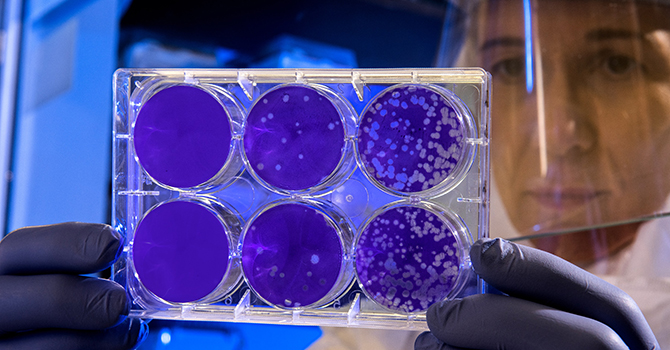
(60, 147)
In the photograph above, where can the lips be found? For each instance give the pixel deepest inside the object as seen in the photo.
(559, 198)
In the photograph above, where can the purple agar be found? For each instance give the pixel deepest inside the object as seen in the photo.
(292, 255)
(294, 137)
(410, 138)
(182, 136)
(180, 252)
(407, 258)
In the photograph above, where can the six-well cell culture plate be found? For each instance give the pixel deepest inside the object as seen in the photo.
(340, 197)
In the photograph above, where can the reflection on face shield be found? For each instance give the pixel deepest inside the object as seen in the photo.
(580, 115)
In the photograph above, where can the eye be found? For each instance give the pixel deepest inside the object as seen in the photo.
(619, 65)
(510, 69)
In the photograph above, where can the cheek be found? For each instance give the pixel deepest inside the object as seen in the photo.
(660, 121)
(512, 138)
(635, 136)
(657, 174)
(506, 128)
(512, 159)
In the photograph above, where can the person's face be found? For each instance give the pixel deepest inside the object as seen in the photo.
(580, 114)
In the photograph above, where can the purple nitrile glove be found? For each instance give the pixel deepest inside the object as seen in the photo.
(46, 304)
(549, 304)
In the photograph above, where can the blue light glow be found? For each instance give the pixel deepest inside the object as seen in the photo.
(166, 337)
(529, 45)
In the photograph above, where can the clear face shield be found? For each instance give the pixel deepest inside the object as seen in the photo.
(580, 116)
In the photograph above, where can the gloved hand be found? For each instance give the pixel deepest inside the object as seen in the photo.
(46, 304)
(550, 304)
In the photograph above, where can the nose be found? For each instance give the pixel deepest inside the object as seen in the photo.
(564, 108)
(567, 131)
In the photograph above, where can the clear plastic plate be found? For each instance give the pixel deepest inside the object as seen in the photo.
(339, 197)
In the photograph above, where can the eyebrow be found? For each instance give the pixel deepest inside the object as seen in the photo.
(602, 34)
(612, 34)
(503, 41)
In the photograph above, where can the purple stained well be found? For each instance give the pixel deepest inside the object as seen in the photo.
(294, 137)
(180, 251)
(407, 258)
(292, 255)
(410, 138)
(182, 136)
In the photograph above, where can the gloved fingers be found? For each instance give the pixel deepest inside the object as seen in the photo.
(127, 335)
(488, 321)
(538, 276)
(60, 301)
(427, 341)
(71, 247)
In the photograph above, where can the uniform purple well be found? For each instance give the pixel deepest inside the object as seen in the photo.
(292, 255)
(410, 139)
(407, 259)
(294, 137)
(182, 136)
(180, 251)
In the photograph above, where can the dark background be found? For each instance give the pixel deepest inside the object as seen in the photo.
(382, 33)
